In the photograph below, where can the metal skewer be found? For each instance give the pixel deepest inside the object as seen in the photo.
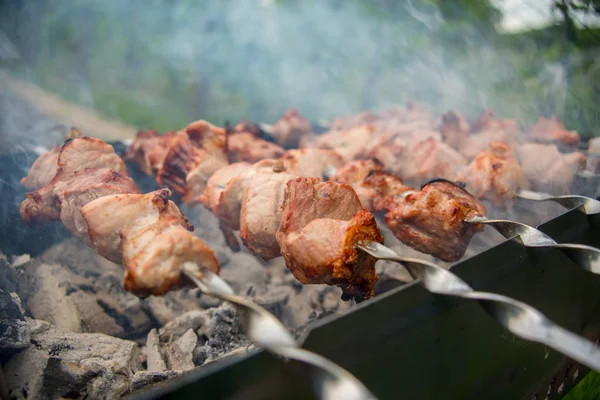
(518, 317)
(587, 204)
(587, 257)
(330, 381)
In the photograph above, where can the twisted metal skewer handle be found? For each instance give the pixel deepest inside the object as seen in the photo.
(589, 206)
(330, 381)
(587, 257)
(519, 318)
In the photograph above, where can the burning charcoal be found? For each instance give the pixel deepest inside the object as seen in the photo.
(178, 327)
(14, 331)
(224, 334)
(179, 353)
(47, 299)
(165, 309)
(69, 299)
(67, 364)
(145, 378)
(154, 358)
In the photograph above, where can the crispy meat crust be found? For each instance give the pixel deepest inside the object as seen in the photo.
(318, 235)
(495, 175)
(192, 146)
(432, 220)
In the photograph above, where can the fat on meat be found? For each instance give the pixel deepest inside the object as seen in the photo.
(432, 220)
(321, 224)
(106, 217)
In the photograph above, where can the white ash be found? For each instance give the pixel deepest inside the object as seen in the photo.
(60, 363)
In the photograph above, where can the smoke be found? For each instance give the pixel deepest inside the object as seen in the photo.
(175, 60)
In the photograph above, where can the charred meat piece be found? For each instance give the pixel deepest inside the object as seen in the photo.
(548, 169)
(321, 224)
(159, 152)
(288, 131)
(495, 175)
(371, 183)
(45, 167)
(217, 184)
(310, 163)
(63, 198)
(418, 160)
(553, 131)
(149, 235)
(76, 167)
(260, 213)
(197, 178)
(85, 152)
(139, 151)
(108, 216)
(229, 204)
(432, 220)
(247, 147)
(192, 149)
(43, 170)
(154, 256)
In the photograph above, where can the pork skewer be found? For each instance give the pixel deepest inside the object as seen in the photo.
(149, 235)
(94, 197)
(239, 194)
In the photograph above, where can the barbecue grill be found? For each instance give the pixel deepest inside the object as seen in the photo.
(407, 342)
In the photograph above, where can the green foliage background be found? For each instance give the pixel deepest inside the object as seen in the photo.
(162, 63)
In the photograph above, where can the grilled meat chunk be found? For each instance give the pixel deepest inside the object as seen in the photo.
(157, 155)
(260, 213)
(43, 170)
(432, 220)
(155, 254)
(63, 198)
(217, 183)
(150, 236)
(321, 224)
(247, 147)
(349, 143)
(192, 151)
(288, 131)
(310, 163)
(76, 168)
(198, 177)
(548, 169)
(551, 130)
(371, 183)
(418, 160)
(108, 216)
(495, 175)
(45, 167)
(139, 151)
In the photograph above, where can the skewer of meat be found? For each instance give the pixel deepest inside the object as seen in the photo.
(96, 200)
(249, 198)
